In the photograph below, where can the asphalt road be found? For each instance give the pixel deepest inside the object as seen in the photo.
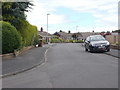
(69, 66)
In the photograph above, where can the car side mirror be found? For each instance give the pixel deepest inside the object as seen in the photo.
(88, 41)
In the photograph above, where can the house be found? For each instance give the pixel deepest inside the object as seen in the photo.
(86, 34)
(77, 36)
(45, 36)
(64, 35)
(69, 35)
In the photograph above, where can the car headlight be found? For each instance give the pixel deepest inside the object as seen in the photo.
(108, 43)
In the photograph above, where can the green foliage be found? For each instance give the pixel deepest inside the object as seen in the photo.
(56, 40)
(0, 38)
(44, 42)
(79, 41)
(13, 12)
(25, 33)
(11, 38)
(29, 33)
(117, 31)
(71, 41)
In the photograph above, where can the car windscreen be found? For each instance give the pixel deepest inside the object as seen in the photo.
(97, 38)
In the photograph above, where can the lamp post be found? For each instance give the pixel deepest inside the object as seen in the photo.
(76, 33)
(47, 28)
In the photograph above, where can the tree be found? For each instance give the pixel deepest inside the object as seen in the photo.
(117, 31)
(13, 12)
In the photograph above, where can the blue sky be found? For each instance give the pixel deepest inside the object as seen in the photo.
(66, 15)
(75, 17)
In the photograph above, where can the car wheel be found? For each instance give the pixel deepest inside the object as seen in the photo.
(91, 50)
(86, 49)
(108, 50)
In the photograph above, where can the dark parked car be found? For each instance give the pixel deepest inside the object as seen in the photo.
(96, 43)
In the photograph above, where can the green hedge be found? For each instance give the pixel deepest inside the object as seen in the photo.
(29, 33)
(11, 38)
(79, 41)
(0, 38)
(56, 40)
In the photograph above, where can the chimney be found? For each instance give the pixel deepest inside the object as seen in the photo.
(69, 32)
(41, 29)
(60, 30)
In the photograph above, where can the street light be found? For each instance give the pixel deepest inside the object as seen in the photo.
(47, 28)
(76, 33)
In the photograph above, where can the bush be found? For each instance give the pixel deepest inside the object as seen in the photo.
(11, 38)
(79, 41)
(71, 41)
(44, 42)
(56, 40)
(0, 39)
(29, 33)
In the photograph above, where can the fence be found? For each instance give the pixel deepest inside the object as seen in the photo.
(113, 39)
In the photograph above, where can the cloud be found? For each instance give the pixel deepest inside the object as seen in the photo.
(38, 15)
(104, 11)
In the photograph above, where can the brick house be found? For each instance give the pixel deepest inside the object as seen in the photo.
(86, 34)
(45, 36)
(68, 36)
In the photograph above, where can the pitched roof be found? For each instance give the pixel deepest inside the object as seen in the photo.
(63, 34)
(86, 34)
(44, 34)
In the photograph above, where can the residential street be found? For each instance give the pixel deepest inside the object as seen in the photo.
(69, 66)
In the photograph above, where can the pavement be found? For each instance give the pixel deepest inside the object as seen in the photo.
(114, 52)
(26, 61)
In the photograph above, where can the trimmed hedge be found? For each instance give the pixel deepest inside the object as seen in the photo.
(0, 38)
(29, 33)
(79, 41)
(56, 40)
(11, 38)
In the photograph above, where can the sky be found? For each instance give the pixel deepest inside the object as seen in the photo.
(74, 15)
